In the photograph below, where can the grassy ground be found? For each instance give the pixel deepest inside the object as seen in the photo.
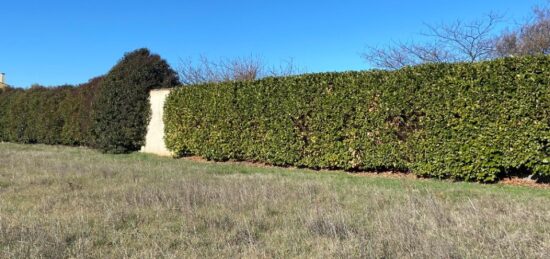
(75, 202)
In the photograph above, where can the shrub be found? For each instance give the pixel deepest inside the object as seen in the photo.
(33, 116)
(11, 117)
(121, 111)
(77, 111)
(487, 120)
(475, 122)
(47, 115)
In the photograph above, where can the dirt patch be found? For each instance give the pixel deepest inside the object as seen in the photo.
(388, 174)
(516, 181)
(232, 162)
(195, 158)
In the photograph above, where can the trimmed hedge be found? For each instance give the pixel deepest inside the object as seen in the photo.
(47, 115)
(474, 122)
(121, 112)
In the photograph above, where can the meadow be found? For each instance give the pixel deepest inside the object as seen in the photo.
(67, 202)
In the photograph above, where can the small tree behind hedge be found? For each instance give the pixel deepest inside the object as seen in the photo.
(121, 111)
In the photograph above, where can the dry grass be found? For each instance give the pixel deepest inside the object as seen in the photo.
(73, 202)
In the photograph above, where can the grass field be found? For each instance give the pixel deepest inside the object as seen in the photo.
(75, 202)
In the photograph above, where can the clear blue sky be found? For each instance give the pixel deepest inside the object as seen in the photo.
(56, 42)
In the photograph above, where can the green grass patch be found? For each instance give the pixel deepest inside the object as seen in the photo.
(74, 202)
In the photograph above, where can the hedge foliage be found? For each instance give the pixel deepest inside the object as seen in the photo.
(121, 112)
(475, 122)
(48, 115)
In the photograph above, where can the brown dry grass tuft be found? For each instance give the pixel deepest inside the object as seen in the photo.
(73, 202)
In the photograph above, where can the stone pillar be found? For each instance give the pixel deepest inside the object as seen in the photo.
(2, 83)
(154, 140)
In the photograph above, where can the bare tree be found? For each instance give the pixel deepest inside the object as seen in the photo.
(285, 68)
(247, 68)
(531, 38)
(399, 54)
(458, 41)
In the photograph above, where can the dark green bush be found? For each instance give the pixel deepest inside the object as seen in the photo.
(77, 111)
(11, 119)
(476, 122)
(121, 111)
(47, 115)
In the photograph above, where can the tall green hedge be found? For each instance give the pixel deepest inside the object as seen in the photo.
(475, 122)
(48, 115)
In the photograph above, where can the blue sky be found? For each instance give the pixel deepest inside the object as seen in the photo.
(57, 42)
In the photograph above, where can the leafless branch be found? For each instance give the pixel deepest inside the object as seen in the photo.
(247, 68)
(458, 41)
(469, 41)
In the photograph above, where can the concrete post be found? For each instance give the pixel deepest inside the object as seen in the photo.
(2, 83)
(154, 140)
